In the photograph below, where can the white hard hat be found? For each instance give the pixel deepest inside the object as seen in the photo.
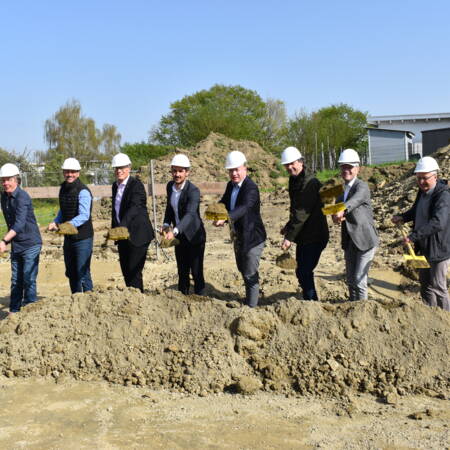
(120, 160)
(426, 164)
(290, 154)
(180, 161)
(235, 159)
(9, 170)
(349, 156)
(71, 164)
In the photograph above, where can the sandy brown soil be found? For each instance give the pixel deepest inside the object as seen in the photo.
(42, 414)
(200, 409)
(118, 369)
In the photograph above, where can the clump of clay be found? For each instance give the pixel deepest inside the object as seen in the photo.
(286, 261)
(67, 228)
(216, 211)
(118, 234)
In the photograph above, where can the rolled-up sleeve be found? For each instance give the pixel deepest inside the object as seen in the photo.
(84, 208)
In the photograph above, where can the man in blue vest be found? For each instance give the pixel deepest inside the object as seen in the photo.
(24, 236)
(75, 202)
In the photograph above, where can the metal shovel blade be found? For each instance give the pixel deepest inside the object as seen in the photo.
(417, 262)
(327, 194)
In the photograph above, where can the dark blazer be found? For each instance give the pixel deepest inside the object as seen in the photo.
(246, 216)
(359, 225)
(190, 226)
(19, 216)
(307, 224)
(133, 212)
(433, 238)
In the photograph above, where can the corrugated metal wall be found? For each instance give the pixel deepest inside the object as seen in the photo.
(432, 140)
(386, 146)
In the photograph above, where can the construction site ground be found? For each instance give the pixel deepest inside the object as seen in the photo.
(116, 368)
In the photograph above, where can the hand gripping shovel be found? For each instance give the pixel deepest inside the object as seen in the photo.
(413, 260)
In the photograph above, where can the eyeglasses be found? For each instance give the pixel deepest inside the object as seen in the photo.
(121, 168)
(425, 178)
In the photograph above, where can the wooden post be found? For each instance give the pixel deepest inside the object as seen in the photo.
(316, 160)
(322, 161)
(152, 188)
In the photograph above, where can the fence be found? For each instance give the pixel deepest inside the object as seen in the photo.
(95, 176)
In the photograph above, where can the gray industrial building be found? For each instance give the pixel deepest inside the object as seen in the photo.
(415, 123)
(386, 145)
(435, 139)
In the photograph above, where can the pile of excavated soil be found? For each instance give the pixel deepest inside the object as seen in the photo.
(200, 345)
(208, 161)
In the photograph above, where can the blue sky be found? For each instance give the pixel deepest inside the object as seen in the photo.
(126, 61)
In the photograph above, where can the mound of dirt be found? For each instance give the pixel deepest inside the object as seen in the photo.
(200, 345)
(208, 161)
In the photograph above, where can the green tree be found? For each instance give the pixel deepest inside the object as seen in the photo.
(234, 111)
(20, 160)
(70, 134)
(321, 135)
(274, 124)
(141, 153)
(343, 126)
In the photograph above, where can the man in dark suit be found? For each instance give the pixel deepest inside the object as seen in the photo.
(307, 226)
(182, 211)
(359, 235)
(129, 209)
(241, 198)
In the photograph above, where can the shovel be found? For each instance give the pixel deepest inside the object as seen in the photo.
(333, 208)
(415, 261)
(329, 194)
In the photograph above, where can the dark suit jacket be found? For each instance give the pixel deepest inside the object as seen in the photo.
(133, 212)
(246, 216)
(433, 238)
(190, 226)
(359, 225)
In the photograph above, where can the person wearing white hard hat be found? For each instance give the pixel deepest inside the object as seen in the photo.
(307, 226)
(129, 210)
(75, 202)
(182, 220)
(431, 231)
(358, 232)
(23, 235)
(241, 199)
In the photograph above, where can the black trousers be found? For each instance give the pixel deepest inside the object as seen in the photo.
(307, 256)
(132, 260)
(190, 260)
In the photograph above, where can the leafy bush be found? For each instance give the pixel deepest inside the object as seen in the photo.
(141, 153)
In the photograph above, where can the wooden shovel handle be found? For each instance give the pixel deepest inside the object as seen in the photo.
(408, 244)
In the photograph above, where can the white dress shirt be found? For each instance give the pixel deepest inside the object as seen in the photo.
(119, 195)
(174, 199)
